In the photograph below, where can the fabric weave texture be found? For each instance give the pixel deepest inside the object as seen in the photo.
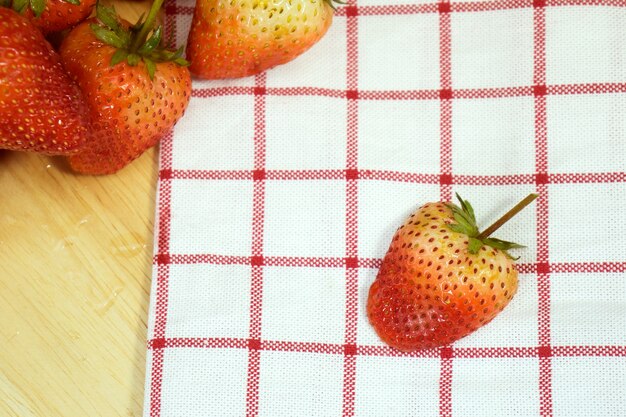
(279, 194)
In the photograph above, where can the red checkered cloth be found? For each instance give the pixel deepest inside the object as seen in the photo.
(279, 194)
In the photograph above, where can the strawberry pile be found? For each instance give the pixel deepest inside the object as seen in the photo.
(112, 91)
(109, 93)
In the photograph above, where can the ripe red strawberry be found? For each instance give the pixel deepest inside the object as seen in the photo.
(135, 90)
(54, 15)
(441, 279)
(231, 39)
(41, 109)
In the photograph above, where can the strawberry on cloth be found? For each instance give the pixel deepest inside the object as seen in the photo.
(441, 278)
(231, 39)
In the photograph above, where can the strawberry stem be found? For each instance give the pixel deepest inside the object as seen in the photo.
(147, 26)
(507, 216)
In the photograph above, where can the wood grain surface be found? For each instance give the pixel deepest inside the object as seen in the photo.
(75, 270)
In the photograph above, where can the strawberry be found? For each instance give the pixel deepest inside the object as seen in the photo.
(136, 91)
(54, 15)
(231, 39)
(41, 109)
(441, 278)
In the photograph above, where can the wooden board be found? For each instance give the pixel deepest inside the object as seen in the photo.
(75, 270)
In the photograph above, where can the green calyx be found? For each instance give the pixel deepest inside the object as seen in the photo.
(466, 224)
(138, 43)
(36, 6)
(331, 3)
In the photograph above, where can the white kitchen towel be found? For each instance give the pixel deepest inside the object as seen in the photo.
(279, 194)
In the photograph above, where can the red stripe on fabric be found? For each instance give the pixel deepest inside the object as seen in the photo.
(592, 351)
(308, 347)
(541, 168)
(191, 342)
(501, 92)
(526, 268)
(445, 387)
(352, 291)
(156, 382)
(256, 297)
(337, 174)
(381, 175)
(398, 95)
(591, 88)
(164, 197)
(496, 352)
(588, 267)
(292, 261)
(545, 386)
(445, 154)
(445, 171)
(493, 179)
(196, 174)
(252, 383)
(349, 386)
(372, 350)
(258, 220)
(610, 3)
(445, 74)
(281, 261)
(351, 214)
(307, 91)
(456, 7)
(351, 218)
(398, 176)
(445, 54)
(584, 178)
(541, 151)
(209, 259)
(370, 263)
(449, 93)
(385, 10)
(163, 233)
(259, 122)
(299, 175)
(488, 6)
(434, 7)
(543, 277)
(349, 348)
(543, 266)
(222, 91)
